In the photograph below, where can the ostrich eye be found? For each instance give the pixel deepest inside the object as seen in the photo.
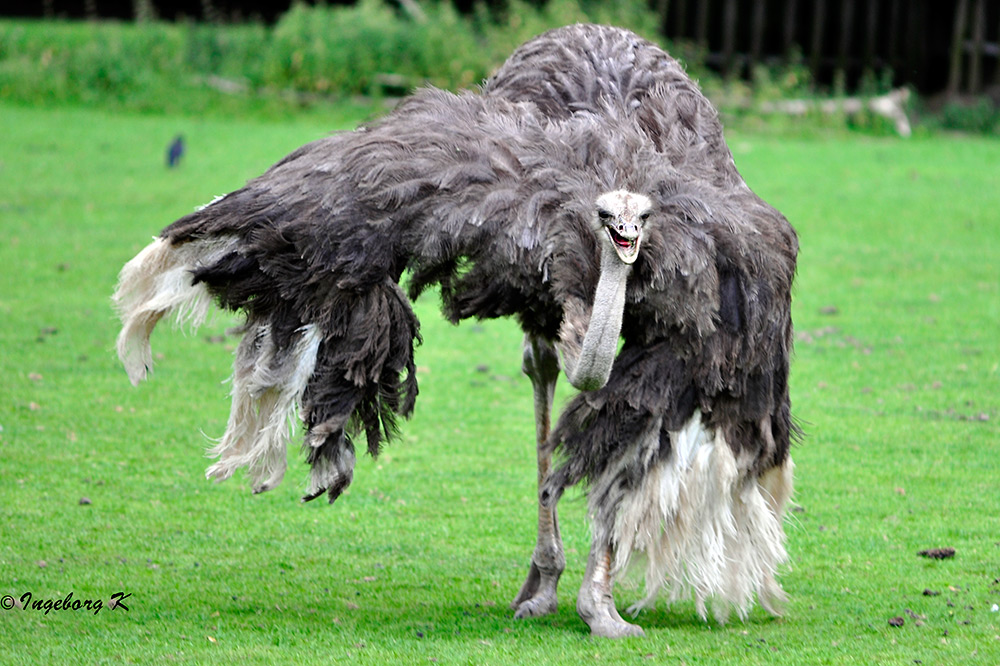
(604, 214)
(644, 216)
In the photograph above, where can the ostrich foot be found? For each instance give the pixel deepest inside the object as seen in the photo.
(600, 614)
(538, 594)
(595, 603)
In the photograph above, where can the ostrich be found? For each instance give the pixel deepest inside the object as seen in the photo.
(570, 72)
(686, 448)
(554, 210)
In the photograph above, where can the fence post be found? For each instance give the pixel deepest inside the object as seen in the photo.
(816, 51)
(976, 57)
(957, 36)
(729, 15)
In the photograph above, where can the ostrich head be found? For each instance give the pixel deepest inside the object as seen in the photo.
(621, 216)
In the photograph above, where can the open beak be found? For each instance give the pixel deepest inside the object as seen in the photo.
(625, 238)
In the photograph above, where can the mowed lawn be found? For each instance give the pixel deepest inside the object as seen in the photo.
(896, 382)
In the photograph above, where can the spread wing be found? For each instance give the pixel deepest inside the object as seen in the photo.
(486, 197)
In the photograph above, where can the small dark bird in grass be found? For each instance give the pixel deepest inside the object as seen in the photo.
(175, 151)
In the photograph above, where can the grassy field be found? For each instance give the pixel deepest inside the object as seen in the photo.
(896, 380)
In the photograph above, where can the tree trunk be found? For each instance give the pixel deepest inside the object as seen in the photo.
(976, 58)
(996, 68)
(701, 35)
(892, 42)
(209, 13)
(957, 37)
(816, 50)
(662, 10)
(871, 32)
(729, 17)
(757, 37)
(143, 11)
(788, 33)
(846, 22)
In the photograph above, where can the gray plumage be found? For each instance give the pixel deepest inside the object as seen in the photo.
(708, 319)
(488, 198)
(707, 323)
(492, 197)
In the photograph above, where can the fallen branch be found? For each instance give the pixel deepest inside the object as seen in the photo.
(891, 106)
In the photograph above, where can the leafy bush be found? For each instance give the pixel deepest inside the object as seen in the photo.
(355, 50)
(313, 52)
(358, 49)
(980, 115)
(87, 62)
(316, 57)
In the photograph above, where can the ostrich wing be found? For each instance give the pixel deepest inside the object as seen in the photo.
(473, 193)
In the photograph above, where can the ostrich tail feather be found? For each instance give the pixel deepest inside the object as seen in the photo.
(155, 283)
(699, 522)
(267, 386)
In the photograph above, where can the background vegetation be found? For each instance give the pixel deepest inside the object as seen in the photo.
(312, 55)
(310, 61)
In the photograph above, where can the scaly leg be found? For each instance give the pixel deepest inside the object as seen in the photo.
(538, 594)
(595, 603)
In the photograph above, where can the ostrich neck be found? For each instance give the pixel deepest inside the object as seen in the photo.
(597, 353)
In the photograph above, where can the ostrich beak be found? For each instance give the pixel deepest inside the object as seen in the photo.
(625, 235)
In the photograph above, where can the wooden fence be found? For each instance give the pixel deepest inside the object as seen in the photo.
(928, 44)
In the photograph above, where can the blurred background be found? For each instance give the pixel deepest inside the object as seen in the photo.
(937, 61)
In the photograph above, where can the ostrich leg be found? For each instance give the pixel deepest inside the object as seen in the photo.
(595, 603)
(538, 594)
(588, 340)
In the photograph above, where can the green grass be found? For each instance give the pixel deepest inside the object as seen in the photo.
(896, 379)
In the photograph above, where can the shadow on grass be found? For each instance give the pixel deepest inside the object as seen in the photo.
(428, 617)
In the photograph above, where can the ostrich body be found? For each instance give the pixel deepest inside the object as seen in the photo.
(583, 189)
(686, 449)
(574, 72)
